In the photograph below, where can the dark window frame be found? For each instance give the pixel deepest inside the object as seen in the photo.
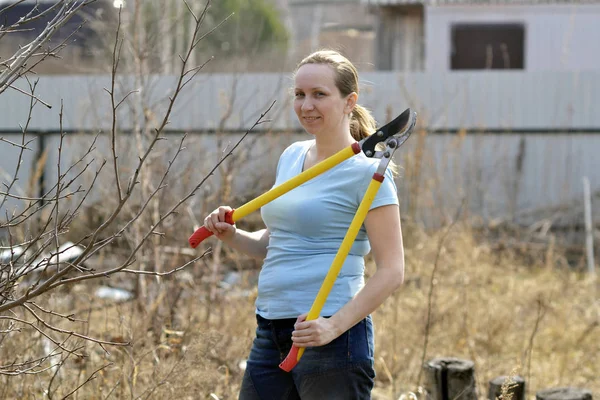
(470, 44)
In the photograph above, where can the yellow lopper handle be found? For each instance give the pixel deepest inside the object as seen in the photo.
(296, 352)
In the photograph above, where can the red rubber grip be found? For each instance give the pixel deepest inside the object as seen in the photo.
(291, 360)
(202, 233)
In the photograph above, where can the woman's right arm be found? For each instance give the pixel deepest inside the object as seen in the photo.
(253, 244)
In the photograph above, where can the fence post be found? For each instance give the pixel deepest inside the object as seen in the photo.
(516, 388)
(450, 378)
(589, 227)
(564, 393)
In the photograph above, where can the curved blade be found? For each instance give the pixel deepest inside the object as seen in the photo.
(399, 124)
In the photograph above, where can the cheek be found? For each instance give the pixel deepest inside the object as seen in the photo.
(297, 105)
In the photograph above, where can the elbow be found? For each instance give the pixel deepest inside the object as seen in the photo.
(260, 257)
(400, 273)
(398, 277)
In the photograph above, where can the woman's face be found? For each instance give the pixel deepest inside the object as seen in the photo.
(317, 101)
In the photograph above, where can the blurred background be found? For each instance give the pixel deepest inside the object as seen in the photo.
(507, 91)
(499, 184)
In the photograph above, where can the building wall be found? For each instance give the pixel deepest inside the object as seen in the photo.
(343, 25)
(400, 38)
(557, 37)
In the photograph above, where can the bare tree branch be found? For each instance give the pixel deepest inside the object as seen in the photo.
(15, 66)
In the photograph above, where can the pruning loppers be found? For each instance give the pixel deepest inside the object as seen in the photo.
(390, 136)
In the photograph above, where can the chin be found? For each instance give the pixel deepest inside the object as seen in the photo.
(311, 130)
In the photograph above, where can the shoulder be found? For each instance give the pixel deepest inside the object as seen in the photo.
(296, 148)
(369, 165)
(364, 168)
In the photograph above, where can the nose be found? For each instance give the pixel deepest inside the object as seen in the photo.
(307, 105)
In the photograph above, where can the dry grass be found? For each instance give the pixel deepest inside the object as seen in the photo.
(488, 306)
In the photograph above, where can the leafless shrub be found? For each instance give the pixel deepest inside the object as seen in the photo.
(37, 263)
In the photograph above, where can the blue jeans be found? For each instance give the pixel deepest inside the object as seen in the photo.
(342, 369)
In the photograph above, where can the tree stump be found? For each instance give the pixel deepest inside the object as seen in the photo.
(564, 393)
(450, 378)
(517, 389)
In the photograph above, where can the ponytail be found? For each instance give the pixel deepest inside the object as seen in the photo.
(362, 123)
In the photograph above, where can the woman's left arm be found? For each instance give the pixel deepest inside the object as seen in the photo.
(385, 235)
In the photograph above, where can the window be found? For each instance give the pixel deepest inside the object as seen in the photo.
(487, 46)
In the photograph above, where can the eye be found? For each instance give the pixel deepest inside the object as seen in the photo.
(299, 94)
(320, 94)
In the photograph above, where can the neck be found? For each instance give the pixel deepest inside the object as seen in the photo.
(330, 143)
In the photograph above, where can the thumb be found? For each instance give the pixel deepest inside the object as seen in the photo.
(302, 318)
(224, 226)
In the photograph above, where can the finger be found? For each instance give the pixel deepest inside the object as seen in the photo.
(208, 224)
(214, 218)
(302, 333)
(302, 317)
(304, 325)
(224, 227)
(222, 212)
(304, 342)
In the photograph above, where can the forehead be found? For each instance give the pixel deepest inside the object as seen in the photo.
(310, 76)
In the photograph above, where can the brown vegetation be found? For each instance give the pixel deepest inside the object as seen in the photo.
(488, 306)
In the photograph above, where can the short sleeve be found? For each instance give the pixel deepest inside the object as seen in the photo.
(387, 193)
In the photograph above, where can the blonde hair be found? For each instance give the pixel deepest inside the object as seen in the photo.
(362, 123)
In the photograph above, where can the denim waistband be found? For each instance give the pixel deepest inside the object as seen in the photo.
(284, 323)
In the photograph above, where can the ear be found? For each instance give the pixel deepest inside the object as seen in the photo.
(351, 100)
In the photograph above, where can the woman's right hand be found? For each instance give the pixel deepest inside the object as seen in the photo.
(215, 222)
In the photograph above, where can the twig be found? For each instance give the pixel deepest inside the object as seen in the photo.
(113, 132)
(169, 272)
(70, 317)
(432, 284)
(32, 325)
(16, 66)
(22, 148)
(30, 95)
(89, 379)
(87, 338)
(541, 311)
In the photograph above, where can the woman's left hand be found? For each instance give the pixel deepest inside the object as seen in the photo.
(317, 332)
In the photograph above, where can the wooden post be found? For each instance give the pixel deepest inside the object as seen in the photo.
(564, 393)
(589, 234)
(516, 389)
(450, 379)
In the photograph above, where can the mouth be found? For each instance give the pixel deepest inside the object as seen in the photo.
(310, 119)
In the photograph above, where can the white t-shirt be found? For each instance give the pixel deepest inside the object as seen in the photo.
(307, 226)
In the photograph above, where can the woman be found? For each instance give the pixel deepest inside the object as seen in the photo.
(304, 229)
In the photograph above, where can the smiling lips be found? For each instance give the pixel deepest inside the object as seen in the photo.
(311, 119)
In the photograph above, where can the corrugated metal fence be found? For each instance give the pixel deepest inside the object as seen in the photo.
(499, 101)
(540, 133)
